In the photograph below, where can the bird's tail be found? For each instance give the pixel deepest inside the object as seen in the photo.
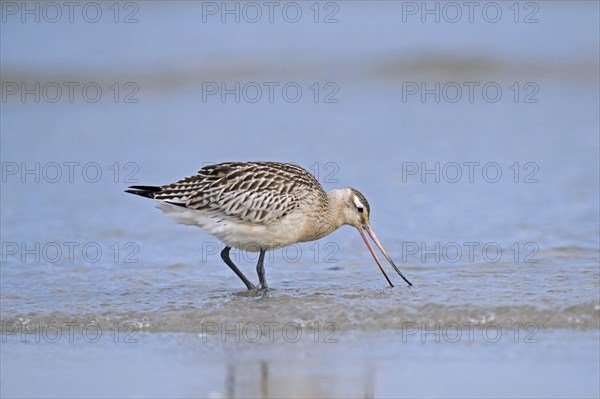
(144, 191)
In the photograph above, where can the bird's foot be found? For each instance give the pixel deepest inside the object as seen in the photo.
(260, 291)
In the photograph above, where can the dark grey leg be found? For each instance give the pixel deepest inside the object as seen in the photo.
(227, 260)
(260, 269)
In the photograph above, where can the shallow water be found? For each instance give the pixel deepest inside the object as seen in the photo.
(185, 365)
(501, 240)
(176, 297)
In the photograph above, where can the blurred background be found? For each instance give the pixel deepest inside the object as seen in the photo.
(471, 127)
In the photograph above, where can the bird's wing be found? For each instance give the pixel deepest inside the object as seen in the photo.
(256, 192)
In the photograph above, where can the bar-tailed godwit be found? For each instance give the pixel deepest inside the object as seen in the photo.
(258, 206)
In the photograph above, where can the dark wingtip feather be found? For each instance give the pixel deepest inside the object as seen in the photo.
(144, 191)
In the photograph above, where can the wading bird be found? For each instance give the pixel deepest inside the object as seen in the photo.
(258, 206)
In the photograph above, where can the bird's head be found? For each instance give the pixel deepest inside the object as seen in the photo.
(356, 212)
(356, 209)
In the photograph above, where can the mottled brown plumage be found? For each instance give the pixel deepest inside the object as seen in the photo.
(255, 192)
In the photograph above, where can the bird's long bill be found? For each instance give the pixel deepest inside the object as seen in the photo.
(385, 254)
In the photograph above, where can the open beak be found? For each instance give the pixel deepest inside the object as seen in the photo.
(369, 230)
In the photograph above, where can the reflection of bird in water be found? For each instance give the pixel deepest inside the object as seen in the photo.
(257, 206)
(264, 379)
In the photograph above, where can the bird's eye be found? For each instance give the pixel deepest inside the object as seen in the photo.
(360, 209)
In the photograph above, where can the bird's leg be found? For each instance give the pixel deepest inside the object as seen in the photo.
(227, 260)
(260, 269)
